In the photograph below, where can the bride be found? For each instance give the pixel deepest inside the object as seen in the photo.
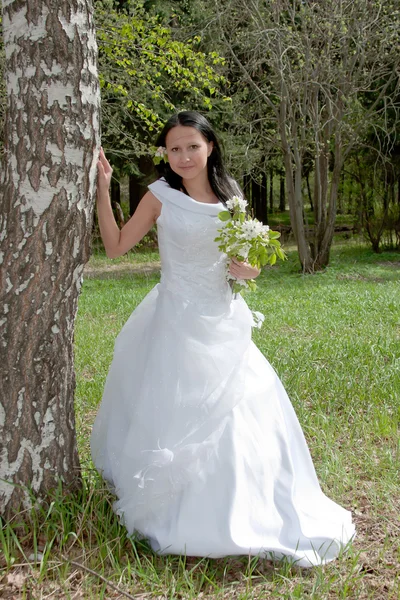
(195, 432)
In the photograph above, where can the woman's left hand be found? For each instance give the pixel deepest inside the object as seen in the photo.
(242, 270)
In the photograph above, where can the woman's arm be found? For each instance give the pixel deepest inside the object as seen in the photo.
(116, 241)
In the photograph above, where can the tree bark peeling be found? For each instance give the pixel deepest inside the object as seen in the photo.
(48, 185)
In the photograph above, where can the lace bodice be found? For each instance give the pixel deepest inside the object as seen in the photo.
(191, 264)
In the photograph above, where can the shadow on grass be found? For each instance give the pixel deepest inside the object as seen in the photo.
(121, 271)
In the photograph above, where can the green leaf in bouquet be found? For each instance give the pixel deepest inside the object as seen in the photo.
(224, 215)
(251, 284)
(274, 243)
(273, 235)
(263, 256)
(281, 254)
(272, 259)
(262, 251)
(256, 263)
(236, 288)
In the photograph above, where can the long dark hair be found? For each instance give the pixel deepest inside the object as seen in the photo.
(223, 186)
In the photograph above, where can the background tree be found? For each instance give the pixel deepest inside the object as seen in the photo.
(375, 173)
(314, 65)
(47, 185)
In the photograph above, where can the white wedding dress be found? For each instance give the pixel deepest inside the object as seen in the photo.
(195, 431)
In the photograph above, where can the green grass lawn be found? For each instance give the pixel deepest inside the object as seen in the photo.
(283, 218)
(334, 339)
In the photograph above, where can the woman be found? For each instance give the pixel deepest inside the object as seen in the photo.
(195, 432)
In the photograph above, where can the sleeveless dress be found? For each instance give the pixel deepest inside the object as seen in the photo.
(195, 432)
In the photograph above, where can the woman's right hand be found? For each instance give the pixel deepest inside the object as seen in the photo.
(104, 172)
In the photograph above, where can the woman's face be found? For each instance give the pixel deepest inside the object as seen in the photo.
(187, 151)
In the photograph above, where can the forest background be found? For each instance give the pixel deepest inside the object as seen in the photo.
(305, 97)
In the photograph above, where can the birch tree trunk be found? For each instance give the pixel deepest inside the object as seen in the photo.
(48, 185)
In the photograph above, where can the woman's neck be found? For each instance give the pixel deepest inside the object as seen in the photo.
(200, 189)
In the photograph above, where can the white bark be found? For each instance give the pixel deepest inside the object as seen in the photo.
(48, 185)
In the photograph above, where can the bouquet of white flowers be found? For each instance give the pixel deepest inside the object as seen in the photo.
(247, 240)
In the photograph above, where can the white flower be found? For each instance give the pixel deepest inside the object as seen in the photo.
(265, 233)
(161, 151)
(236, 203)
(258, 319)
(244, 250)
(251, 229)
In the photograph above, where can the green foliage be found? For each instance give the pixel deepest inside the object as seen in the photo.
(146, 74)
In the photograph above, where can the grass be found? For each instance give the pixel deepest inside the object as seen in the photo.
(283, 218)
(334, 339)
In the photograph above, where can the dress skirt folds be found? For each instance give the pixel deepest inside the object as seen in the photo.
(195, 432)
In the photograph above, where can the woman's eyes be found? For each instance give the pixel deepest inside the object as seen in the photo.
(192, 147)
